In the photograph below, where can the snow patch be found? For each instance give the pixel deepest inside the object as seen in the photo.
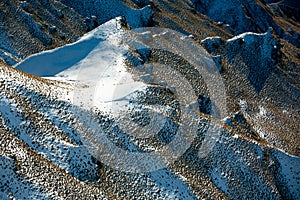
(52, 62)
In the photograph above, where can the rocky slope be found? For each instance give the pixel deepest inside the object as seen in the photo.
(56, 132)
(28, 27)
(244, 16)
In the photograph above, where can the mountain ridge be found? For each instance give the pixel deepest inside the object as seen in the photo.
(47, 124)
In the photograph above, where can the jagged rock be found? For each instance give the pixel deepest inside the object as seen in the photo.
(228, 121)
(62, 36)
(24, 5)
(141, 3)
(212, 43)
(204, 104)
(43, 149)
(66, 16)
(52, 29)
(218, 61)
(258, 51)
(108, 9)
(239, 14)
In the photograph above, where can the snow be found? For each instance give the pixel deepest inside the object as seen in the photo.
(173, 187)
(52, 62)
(41, 137)
(262, 111)
(237, 13)
(39, 25)
(243, 105)
(247, 37)
(95, 66)
(11, 185)
(96, 60)
(51, 147)
(290, 170)
(220, 179)
(250, 37)
(105, 10)
(8, 57)
(228, 121)
(9, 112)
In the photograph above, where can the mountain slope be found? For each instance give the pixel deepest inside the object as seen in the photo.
(37, 114)
(245, 16)
(28, 27)
(71, 122)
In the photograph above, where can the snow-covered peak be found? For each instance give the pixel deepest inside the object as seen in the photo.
(52, 62)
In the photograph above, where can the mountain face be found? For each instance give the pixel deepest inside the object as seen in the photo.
(29, 27)
(138, 99)
(249, 16)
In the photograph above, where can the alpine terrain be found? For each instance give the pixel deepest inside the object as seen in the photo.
(149, 99)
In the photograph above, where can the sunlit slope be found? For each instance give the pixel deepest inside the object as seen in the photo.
(40, 122)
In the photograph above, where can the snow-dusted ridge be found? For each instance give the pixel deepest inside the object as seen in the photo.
(37, 113)
(52, 62)
(40, 25)
(96, 60)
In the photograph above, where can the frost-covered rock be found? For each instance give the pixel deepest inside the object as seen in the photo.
(105, 10)
(212, 43)
(205, 104)
(239, 14)
(27, 31)
(32, 26)
(24, 5)
(42, 135)
(258, 51)
(228, 121)
(218, 61)
(141, 2)
(248, 16)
